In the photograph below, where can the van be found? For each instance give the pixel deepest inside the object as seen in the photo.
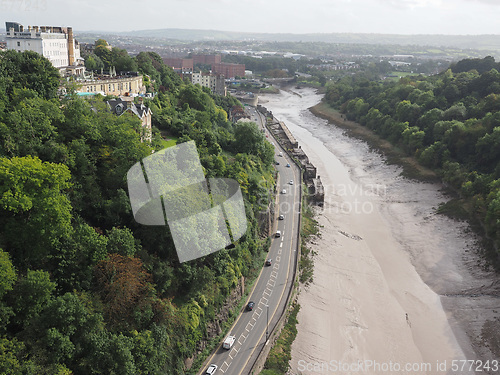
(278, 233)
(228, 342)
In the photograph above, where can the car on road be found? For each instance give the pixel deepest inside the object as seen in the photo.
(283, 191)
(278, 234)
(269, 262)
(277, 163)
(211, 369)
(288, 165)
(250, 306)
(291, 182)
(281, 217)
(280, 154)
(228, 342)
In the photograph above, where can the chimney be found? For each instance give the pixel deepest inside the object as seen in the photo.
(21, 28)
(71, 47)
(36, 28)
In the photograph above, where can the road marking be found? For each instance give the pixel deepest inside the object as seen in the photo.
(272, 283)
(231, 353)
(224, 364)
(264, 303)
(276, 266)
(280, 299)
(274, 274)
(244, 339)
(281, 244)
(279, 251)
(278, 258)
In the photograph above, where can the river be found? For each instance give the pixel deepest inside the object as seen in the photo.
(397, 287)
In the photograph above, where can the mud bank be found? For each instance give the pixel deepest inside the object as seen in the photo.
(394, 282)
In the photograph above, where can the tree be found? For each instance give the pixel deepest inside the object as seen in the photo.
(75, 258)
(68, 331)
(94, 62)
(29, 125)
(28, 70)
(123, 285)
(35, 211)
(248, 137)
(121, 241)
(32, 293)
(7, 273)
(104, 54)
(7, 278)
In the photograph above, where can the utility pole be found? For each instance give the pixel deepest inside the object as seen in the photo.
(267, 324)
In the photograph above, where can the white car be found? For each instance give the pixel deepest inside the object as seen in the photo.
(291, 182)
(211, 369)
(283, 191)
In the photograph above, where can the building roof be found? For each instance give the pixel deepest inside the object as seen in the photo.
(122, 105)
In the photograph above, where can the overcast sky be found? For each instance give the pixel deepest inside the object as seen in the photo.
(276, 16)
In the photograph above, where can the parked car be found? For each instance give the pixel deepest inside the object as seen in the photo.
(211, 369)
(281, 217)
(269, 262)
(250, 306)
(278, 233)
(291, 182)
(283, 191)
(288, 165)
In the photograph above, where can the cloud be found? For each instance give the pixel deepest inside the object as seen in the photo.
(489, 2)
(411, 4)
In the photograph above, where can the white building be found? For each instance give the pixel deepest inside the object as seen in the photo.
(54, 43)
(215, 82)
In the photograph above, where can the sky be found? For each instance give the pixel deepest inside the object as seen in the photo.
(456, 17)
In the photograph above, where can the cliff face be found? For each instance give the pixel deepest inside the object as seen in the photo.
(291, 146)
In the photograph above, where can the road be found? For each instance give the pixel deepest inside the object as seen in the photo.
(274, 282)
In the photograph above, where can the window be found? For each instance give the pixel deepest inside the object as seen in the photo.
(19, 44)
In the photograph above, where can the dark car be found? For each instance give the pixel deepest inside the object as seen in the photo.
(268, 262)
(250, 306)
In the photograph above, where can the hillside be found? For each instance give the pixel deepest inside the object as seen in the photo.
(85, 289)
(449, 122)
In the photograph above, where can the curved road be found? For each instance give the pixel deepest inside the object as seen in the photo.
(274, 282)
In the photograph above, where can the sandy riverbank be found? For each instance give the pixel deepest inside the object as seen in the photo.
(383, 253)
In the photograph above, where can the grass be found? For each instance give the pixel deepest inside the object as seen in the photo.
(167, 139)
(277, 362)
(309, 228)
(270, 90)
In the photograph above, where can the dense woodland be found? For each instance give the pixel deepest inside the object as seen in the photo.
(83, 288)
(449, 122)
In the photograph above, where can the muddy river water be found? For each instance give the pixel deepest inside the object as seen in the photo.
(397, 287)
